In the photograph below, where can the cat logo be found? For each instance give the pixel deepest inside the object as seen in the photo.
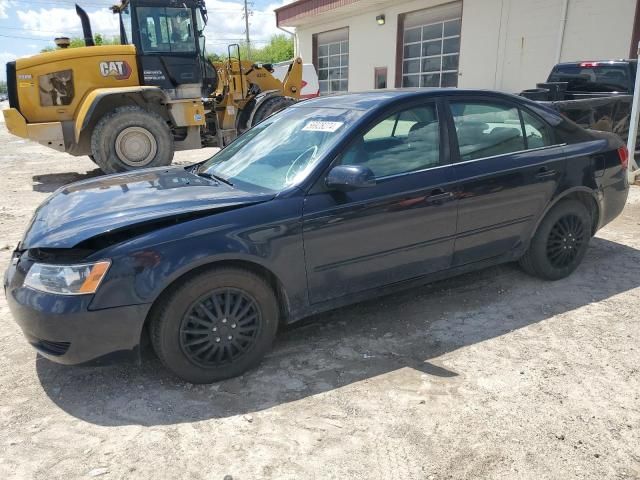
(118, 69)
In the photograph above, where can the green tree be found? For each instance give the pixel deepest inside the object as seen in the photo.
(278, 49)
(103, 40)
(215, 57)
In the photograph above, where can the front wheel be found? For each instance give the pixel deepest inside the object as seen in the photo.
(130, 138)
(560, 243)
(215, 325)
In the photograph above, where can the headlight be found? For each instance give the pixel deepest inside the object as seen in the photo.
(67, 279)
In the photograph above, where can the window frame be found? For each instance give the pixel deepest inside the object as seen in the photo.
(454, 148)
(444, 147)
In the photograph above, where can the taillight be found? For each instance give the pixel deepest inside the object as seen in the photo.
(589, 64)
(623, 153)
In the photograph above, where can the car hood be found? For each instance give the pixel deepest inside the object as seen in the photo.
(85, 209)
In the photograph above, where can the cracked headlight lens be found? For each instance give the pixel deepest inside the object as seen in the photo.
(78, 279)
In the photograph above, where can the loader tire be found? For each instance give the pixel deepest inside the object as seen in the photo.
(270, 106)
(130, 138)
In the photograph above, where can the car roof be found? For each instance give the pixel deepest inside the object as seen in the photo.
(374, 99)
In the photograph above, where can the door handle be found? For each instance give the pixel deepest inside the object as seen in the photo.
(438, 195)
(545, 172)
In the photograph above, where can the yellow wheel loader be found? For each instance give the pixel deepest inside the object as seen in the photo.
(132, 105)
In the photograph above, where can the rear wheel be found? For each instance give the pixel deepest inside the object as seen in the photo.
(130, 138)
(215, 325)
(560, 242)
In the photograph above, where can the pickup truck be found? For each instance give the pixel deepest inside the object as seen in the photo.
(601, 78)
(594, 94)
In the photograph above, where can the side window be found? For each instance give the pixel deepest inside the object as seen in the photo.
(486, 129)
(126, 23)
(536, 131)
(403, 142)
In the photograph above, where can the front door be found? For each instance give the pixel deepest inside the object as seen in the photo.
(401, 228)
(508, 168)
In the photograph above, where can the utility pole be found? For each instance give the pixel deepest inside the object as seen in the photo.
(246, 31)
(633, 169)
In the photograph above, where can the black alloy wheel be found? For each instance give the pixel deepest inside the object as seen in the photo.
(220, 327)
(565, 241)
(560, 242)
(215, 324)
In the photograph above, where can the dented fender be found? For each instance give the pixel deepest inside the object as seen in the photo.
(93, 99)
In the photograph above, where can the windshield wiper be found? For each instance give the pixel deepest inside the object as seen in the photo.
(214, 177)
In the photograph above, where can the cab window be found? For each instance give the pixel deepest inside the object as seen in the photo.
(166, 30)
(125, 20)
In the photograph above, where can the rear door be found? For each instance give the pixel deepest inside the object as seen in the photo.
(507, 168)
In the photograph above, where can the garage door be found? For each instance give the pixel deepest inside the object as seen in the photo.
(431, 46)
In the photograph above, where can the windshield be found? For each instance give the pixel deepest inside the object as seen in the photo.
(165, 29)
(597, 78)
(282, 150)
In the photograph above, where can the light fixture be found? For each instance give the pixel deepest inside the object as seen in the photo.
(380, 19)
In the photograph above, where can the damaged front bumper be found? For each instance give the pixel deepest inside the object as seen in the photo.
(64, 328)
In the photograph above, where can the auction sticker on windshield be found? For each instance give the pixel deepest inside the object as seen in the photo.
(319, 126)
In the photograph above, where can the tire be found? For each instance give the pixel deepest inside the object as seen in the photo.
(93, 159)
(560, 243)
(130, 138)
(270, 106)
(242, 125)
(200, 341)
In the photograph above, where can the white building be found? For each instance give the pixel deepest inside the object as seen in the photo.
(507, 45)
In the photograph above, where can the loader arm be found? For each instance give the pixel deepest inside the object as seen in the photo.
(292, 84)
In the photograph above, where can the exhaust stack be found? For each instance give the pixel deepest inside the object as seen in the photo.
(86, 26)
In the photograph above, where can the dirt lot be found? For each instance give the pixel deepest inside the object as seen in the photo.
(490, 375)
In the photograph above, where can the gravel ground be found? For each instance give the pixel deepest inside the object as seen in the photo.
(488, 375)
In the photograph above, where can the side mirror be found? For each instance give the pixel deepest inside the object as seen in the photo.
(350, 177)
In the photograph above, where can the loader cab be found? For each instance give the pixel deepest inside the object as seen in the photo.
(169, 40)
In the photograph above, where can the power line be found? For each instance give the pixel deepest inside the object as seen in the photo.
(63, 4)
(71, 4)
(37, 30)
(26, 38)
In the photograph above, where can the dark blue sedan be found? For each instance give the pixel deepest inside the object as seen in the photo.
(329, 202)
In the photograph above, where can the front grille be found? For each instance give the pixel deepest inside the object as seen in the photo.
(12, 85)
(51, 348)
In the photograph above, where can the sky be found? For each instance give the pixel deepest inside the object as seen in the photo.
(28, 27)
